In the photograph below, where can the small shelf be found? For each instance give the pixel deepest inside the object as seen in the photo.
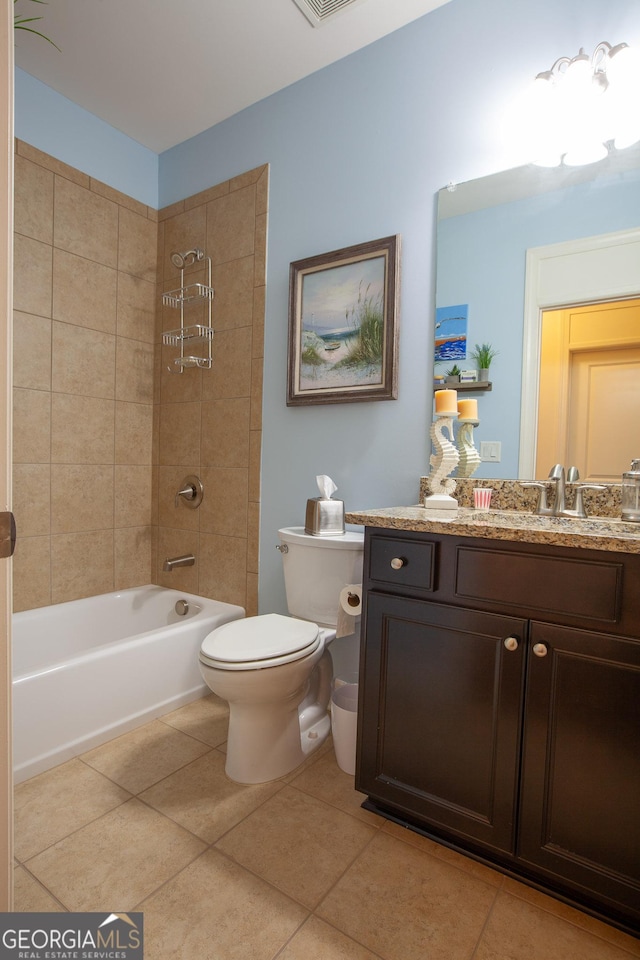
(204, 363)
(191, 294)
(468, 386)
(198, 333)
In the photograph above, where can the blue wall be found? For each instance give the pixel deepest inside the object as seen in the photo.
(358, 151)
(61, 128)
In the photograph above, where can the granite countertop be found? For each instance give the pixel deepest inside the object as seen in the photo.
(594, 533)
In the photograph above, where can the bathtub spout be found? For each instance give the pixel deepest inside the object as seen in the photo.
(187, 561)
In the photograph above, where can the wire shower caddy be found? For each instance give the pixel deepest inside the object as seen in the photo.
(185, 337)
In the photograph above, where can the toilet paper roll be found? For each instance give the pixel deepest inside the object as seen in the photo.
(349, 609)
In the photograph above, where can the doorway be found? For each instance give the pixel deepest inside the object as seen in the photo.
(589, 404)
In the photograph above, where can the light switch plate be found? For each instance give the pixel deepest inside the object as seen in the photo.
(491, 451)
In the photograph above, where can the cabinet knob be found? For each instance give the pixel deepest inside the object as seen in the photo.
(511, 643)
(398, 563)
(540, 649)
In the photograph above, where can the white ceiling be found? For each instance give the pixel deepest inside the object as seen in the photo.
(162, 71)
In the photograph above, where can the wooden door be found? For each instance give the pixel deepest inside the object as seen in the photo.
(6, 231)
(589, 407)
(440, 707)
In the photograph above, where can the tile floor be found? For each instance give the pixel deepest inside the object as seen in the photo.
(293, 869)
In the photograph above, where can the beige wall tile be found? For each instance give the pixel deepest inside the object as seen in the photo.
(33, 200)
(225, 433)
(178, 543)
(205, 196)
(104, 190)
(246, 178)
(32, 498)
(72, 575)
(133, 493)
(251, 604)
(260, 274)
(31, 351)
(233, 302)
(253, 535)
(255, 453)
(179, 516)
(231, 373)
(31, 573)
(134, 370)
(136, 305)
(31, 426)
(223, 568)
(82, 497)
(85, 223)
(134, 438)
(137, 245)
(262, 192)
(257, 368)
(132, 557)
(178, 387)
(82, 429)
(51, 163)
(32, 272)
(181, 233)
(83, 361)
(179, 433)
(84, 292)
(224, 506)
(257, 344)
(171, 211)
(231, 225)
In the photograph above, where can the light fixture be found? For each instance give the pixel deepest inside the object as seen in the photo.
(585, 106)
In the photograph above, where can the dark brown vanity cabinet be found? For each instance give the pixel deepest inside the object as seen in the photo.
(500, 707)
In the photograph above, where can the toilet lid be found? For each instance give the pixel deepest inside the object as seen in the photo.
(249, 642)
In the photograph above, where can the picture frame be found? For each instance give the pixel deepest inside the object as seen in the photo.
(343, 325)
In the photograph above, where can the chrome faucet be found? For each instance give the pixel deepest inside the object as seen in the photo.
(187, 560)
(559, 508)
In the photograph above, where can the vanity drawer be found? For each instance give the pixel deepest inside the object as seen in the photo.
(554, 585)
(402, 562)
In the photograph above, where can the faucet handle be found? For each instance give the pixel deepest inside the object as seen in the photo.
(579, 508)
(573, 474)
(542, 507)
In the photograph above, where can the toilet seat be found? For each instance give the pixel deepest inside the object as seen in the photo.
(259, 642)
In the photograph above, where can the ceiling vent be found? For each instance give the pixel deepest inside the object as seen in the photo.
(319, 11)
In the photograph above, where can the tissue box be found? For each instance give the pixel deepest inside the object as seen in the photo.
(324, 517)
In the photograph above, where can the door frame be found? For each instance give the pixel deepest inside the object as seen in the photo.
(588, 270)
(6, 315)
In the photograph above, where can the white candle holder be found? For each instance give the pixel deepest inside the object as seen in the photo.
(443, 462)
(469, 458)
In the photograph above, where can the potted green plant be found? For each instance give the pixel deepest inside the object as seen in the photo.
(483, 354)
(452, 375)
(20, 23)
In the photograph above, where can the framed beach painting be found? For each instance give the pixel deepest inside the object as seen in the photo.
(343, 325)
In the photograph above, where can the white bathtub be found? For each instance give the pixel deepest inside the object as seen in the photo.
(89, 670)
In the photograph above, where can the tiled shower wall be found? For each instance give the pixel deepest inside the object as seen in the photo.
(210, 421)
(93, 417)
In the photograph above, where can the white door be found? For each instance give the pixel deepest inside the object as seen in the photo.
(6, 248)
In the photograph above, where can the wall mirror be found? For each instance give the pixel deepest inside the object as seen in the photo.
(522, 241)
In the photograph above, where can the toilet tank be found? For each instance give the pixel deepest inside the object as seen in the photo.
(316, 569)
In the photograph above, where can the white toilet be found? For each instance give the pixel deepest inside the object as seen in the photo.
(274, 671)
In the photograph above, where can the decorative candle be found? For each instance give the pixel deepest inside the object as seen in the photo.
(446, 401)
(468, 409)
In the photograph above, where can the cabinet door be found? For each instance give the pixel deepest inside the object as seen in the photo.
(580, 807)
(440, 716)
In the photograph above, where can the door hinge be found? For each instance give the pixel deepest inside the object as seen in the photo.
(7, 534)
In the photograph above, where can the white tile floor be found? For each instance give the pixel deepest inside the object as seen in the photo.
(293, 869)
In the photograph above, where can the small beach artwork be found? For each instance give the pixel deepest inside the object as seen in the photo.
(342, 325)
(451, 332)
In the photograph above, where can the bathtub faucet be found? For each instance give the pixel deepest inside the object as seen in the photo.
(187, 561)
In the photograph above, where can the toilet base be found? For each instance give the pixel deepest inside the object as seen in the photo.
(273, 728)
